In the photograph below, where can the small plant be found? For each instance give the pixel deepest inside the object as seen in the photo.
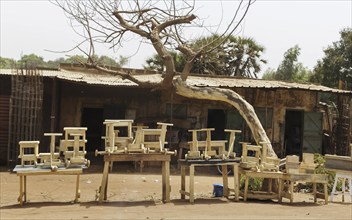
(254, 184)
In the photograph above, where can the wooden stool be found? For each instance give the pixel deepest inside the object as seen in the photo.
(29, 157)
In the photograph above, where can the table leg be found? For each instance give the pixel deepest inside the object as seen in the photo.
(236, 175)
(326, 193)
(166, 181)
(246, 179)
(77, 189)
(183, 181)
(191, 183)
(291, 191)
(315, 191)
(280, 190)
(103, 185)
(225, 181)
(25, 188)
(20, 198)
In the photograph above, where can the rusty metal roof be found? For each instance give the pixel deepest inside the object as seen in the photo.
(94, 77)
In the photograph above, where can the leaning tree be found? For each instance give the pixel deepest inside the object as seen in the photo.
(162, 24)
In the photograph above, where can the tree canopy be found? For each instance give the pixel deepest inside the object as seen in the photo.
(236, 56)
(289, 69)
(336, 65)
(34, 61)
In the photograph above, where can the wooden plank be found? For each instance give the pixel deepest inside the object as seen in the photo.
(104, 181)
(137, 157)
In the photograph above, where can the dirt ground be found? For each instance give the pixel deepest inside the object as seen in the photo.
(134, 195)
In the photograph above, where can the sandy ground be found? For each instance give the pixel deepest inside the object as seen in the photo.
(134, 195)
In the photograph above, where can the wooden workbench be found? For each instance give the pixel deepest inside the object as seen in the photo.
(269, 194)
(191, 164)
(164, 158)
(30, 170)
(307, 178)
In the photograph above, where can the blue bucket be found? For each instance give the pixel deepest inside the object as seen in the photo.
(218, 190)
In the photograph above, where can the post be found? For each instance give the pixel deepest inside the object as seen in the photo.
(191, 183)
(183, 181)
(225, 181)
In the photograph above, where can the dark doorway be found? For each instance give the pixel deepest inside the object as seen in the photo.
(293, 132)
(92, 118)
(217, 120)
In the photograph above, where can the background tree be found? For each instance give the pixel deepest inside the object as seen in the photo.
(237, 56)
(31, 61)
(289, 69)
(337, 63)
(7, 63)
(162, 25)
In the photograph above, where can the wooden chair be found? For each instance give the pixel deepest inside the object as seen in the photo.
(52, 158)
(114, 141)
(253, 161)
(268, 163)
(160, 134)
(74, 146)
(230, 152)
(29, 152)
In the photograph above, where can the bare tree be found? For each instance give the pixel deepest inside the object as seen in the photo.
(163, 25)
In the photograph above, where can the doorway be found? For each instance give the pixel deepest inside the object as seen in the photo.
(293, 132)
(217, 120)
(92, 118)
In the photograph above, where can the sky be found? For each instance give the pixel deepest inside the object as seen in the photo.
(37, 26)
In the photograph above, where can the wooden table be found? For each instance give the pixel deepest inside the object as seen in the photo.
(261, 194)
(29, 170)
(191, 164)
(304, 177)
(164, 158)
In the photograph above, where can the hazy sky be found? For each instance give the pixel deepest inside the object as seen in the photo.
(29, 26)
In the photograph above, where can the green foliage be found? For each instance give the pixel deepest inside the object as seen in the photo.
(235, 56)
(289, 69)
(31, 61)
(254, 184)
(7, 63)
(337, 63)
(34, 61)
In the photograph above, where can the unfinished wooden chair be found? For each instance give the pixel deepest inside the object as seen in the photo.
(158, 133)
(52, 158)
(137, 145)
(250, 161)
(268, 163)
(230, 152)
(114, 141)
(193, 152)
(206, 149)
(29, 152)
(74, 146)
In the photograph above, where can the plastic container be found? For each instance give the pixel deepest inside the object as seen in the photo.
(218, 190)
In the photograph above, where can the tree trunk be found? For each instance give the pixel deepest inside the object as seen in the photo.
(225, 95)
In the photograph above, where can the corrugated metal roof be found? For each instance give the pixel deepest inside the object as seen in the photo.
(95, 78)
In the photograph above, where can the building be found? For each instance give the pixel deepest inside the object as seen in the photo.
(291, 113)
